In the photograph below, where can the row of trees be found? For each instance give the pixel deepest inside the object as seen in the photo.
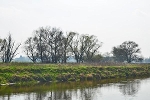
(51, 45)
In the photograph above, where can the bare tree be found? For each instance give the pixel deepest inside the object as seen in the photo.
(67, 40)
(1, 41)
(76, 48)
(84, 45)
(92, 47)
(8, 49)
(49, 43)
(56, 44)
(40, 45)
(53, 38)
(31, 49)
(1, 47)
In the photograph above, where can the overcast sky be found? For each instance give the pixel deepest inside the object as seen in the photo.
(112, 21)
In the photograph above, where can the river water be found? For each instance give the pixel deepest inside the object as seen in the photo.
(114, 89)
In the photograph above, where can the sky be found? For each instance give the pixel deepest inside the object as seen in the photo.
(112, 21)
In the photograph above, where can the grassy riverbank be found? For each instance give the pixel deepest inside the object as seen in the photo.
(25, 72)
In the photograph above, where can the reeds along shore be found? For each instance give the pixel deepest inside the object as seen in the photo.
(28, 72)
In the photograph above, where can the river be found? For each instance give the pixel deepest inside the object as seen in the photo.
(112, 89)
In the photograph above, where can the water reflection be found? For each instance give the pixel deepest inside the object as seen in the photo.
(71, 91)
(130, 88)
(78, 94)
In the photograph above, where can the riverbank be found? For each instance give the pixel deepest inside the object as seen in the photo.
(33, 73)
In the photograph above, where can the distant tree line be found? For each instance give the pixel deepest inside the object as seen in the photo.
(52, 45)
(146, 60)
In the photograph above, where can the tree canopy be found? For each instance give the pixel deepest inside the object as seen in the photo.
(51, 45)
(127, 51)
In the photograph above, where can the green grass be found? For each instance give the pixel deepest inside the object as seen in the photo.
(33, 73)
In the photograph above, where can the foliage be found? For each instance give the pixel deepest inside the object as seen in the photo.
(97, 58)
(127, 51)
